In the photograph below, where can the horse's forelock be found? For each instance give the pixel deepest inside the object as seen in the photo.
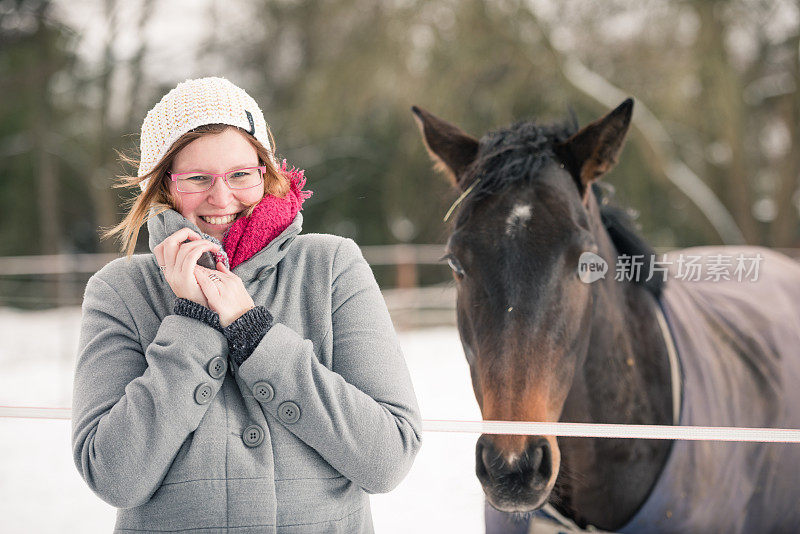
(513, 155)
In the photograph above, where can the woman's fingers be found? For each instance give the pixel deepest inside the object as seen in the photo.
(167, 251)
(184, 250)
(233, 299)
(210, 289)
(189, 253)
(225, 273)
(158, 252)
(205, 271)
(172, 244)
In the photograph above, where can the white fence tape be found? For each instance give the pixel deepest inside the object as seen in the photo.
(596, 430)
(35, 412)
(582, 430)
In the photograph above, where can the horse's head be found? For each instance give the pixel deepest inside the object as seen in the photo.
(526, 214)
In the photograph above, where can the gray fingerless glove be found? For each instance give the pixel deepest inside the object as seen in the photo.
(189, 308)
(246, 332)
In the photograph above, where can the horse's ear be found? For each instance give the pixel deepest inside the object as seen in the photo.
(451, 149)
(593, 151)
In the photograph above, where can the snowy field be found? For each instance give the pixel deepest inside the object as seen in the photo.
(41, 491)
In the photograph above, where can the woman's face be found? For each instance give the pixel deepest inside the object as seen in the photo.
(216, 153)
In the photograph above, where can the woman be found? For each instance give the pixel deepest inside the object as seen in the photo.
(242, 377)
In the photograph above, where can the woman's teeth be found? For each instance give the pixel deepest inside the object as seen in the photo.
(219, 220)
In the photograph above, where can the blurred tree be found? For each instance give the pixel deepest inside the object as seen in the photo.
(723, 77)
(33, 51)
(117, 112)
(337, 80)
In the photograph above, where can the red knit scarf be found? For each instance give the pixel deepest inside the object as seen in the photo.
(271, 216)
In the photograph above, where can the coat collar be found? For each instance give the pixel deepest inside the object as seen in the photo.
(261, 264)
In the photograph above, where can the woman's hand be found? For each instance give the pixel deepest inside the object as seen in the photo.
(178, 261)
(225, 292)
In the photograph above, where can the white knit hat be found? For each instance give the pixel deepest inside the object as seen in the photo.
(196, 103)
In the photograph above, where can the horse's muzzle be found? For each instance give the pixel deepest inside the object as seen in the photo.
(517, 482)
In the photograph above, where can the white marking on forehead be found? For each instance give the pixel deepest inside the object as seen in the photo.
(519, 217)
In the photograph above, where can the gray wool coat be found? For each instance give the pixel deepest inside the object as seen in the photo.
(322, 413)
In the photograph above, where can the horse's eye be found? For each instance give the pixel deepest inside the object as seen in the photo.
(457, 269)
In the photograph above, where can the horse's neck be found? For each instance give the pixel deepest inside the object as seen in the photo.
(626, 369)
(627, 352)
(624, 379)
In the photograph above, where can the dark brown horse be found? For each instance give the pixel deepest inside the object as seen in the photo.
(544, 345)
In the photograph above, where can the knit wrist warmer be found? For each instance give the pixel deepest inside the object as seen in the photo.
(189, 308)
(246, 332)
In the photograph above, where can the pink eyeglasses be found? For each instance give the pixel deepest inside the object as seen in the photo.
(199, 182)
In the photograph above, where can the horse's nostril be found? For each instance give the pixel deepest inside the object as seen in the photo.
(536, 458)
(486, 460)
(541, 464)
(546, 469)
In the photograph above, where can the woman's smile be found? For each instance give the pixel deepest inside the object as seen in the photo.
(220, 222)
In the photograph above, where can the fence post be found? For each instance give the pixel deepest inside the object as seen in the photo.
(406, 267)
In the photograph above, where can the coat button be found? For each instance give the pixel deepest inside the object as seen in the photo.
(253, 436)
(289, 412)
(217, 367)
(203, 393)
(263, 392)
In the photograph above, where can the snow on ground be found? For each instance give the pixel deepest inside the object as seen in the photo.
(41, 491)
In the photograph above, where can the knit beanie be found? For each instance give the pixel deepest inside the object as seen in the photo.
(195, 103)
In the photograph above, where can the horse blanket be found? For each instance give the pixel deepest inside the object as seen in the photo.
(738, 343)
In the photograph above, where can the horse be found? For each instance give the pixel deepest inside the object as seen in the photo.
(547, 339)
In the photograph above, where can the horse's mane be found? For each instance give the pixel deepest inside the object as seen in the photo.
(518, 153)
(620, 223)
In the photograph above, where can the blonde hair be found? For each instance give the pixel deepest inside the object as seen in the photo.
(156, 197)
